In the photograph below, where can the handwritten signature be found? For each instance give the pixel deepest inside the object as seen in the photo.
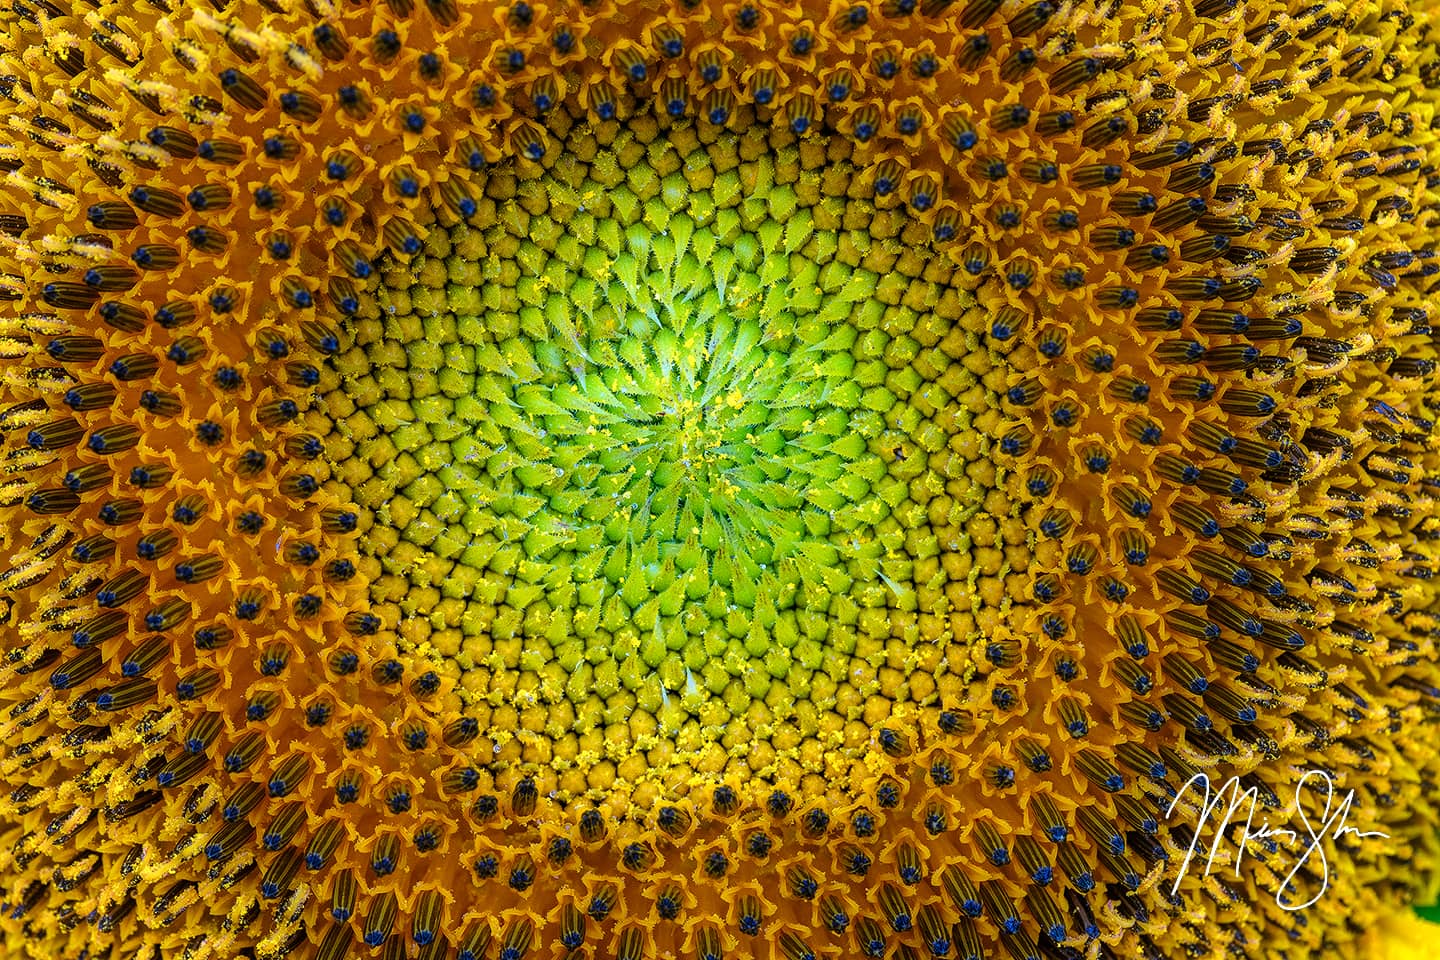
(1332, 824)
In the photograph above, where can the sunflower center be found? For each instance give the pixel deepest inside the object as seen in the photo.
(677, 437)
(676, 460)
(691, 433)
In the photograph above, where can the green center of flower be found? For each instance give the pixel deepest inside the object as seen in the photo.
(673, 452)
(690, 437)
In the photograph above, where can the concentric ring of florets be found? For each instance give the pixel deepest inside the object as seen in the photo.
(694, 457)
(1216, 402)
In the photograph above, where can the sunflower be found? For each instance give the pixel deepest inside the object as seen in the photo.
(715, 479)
